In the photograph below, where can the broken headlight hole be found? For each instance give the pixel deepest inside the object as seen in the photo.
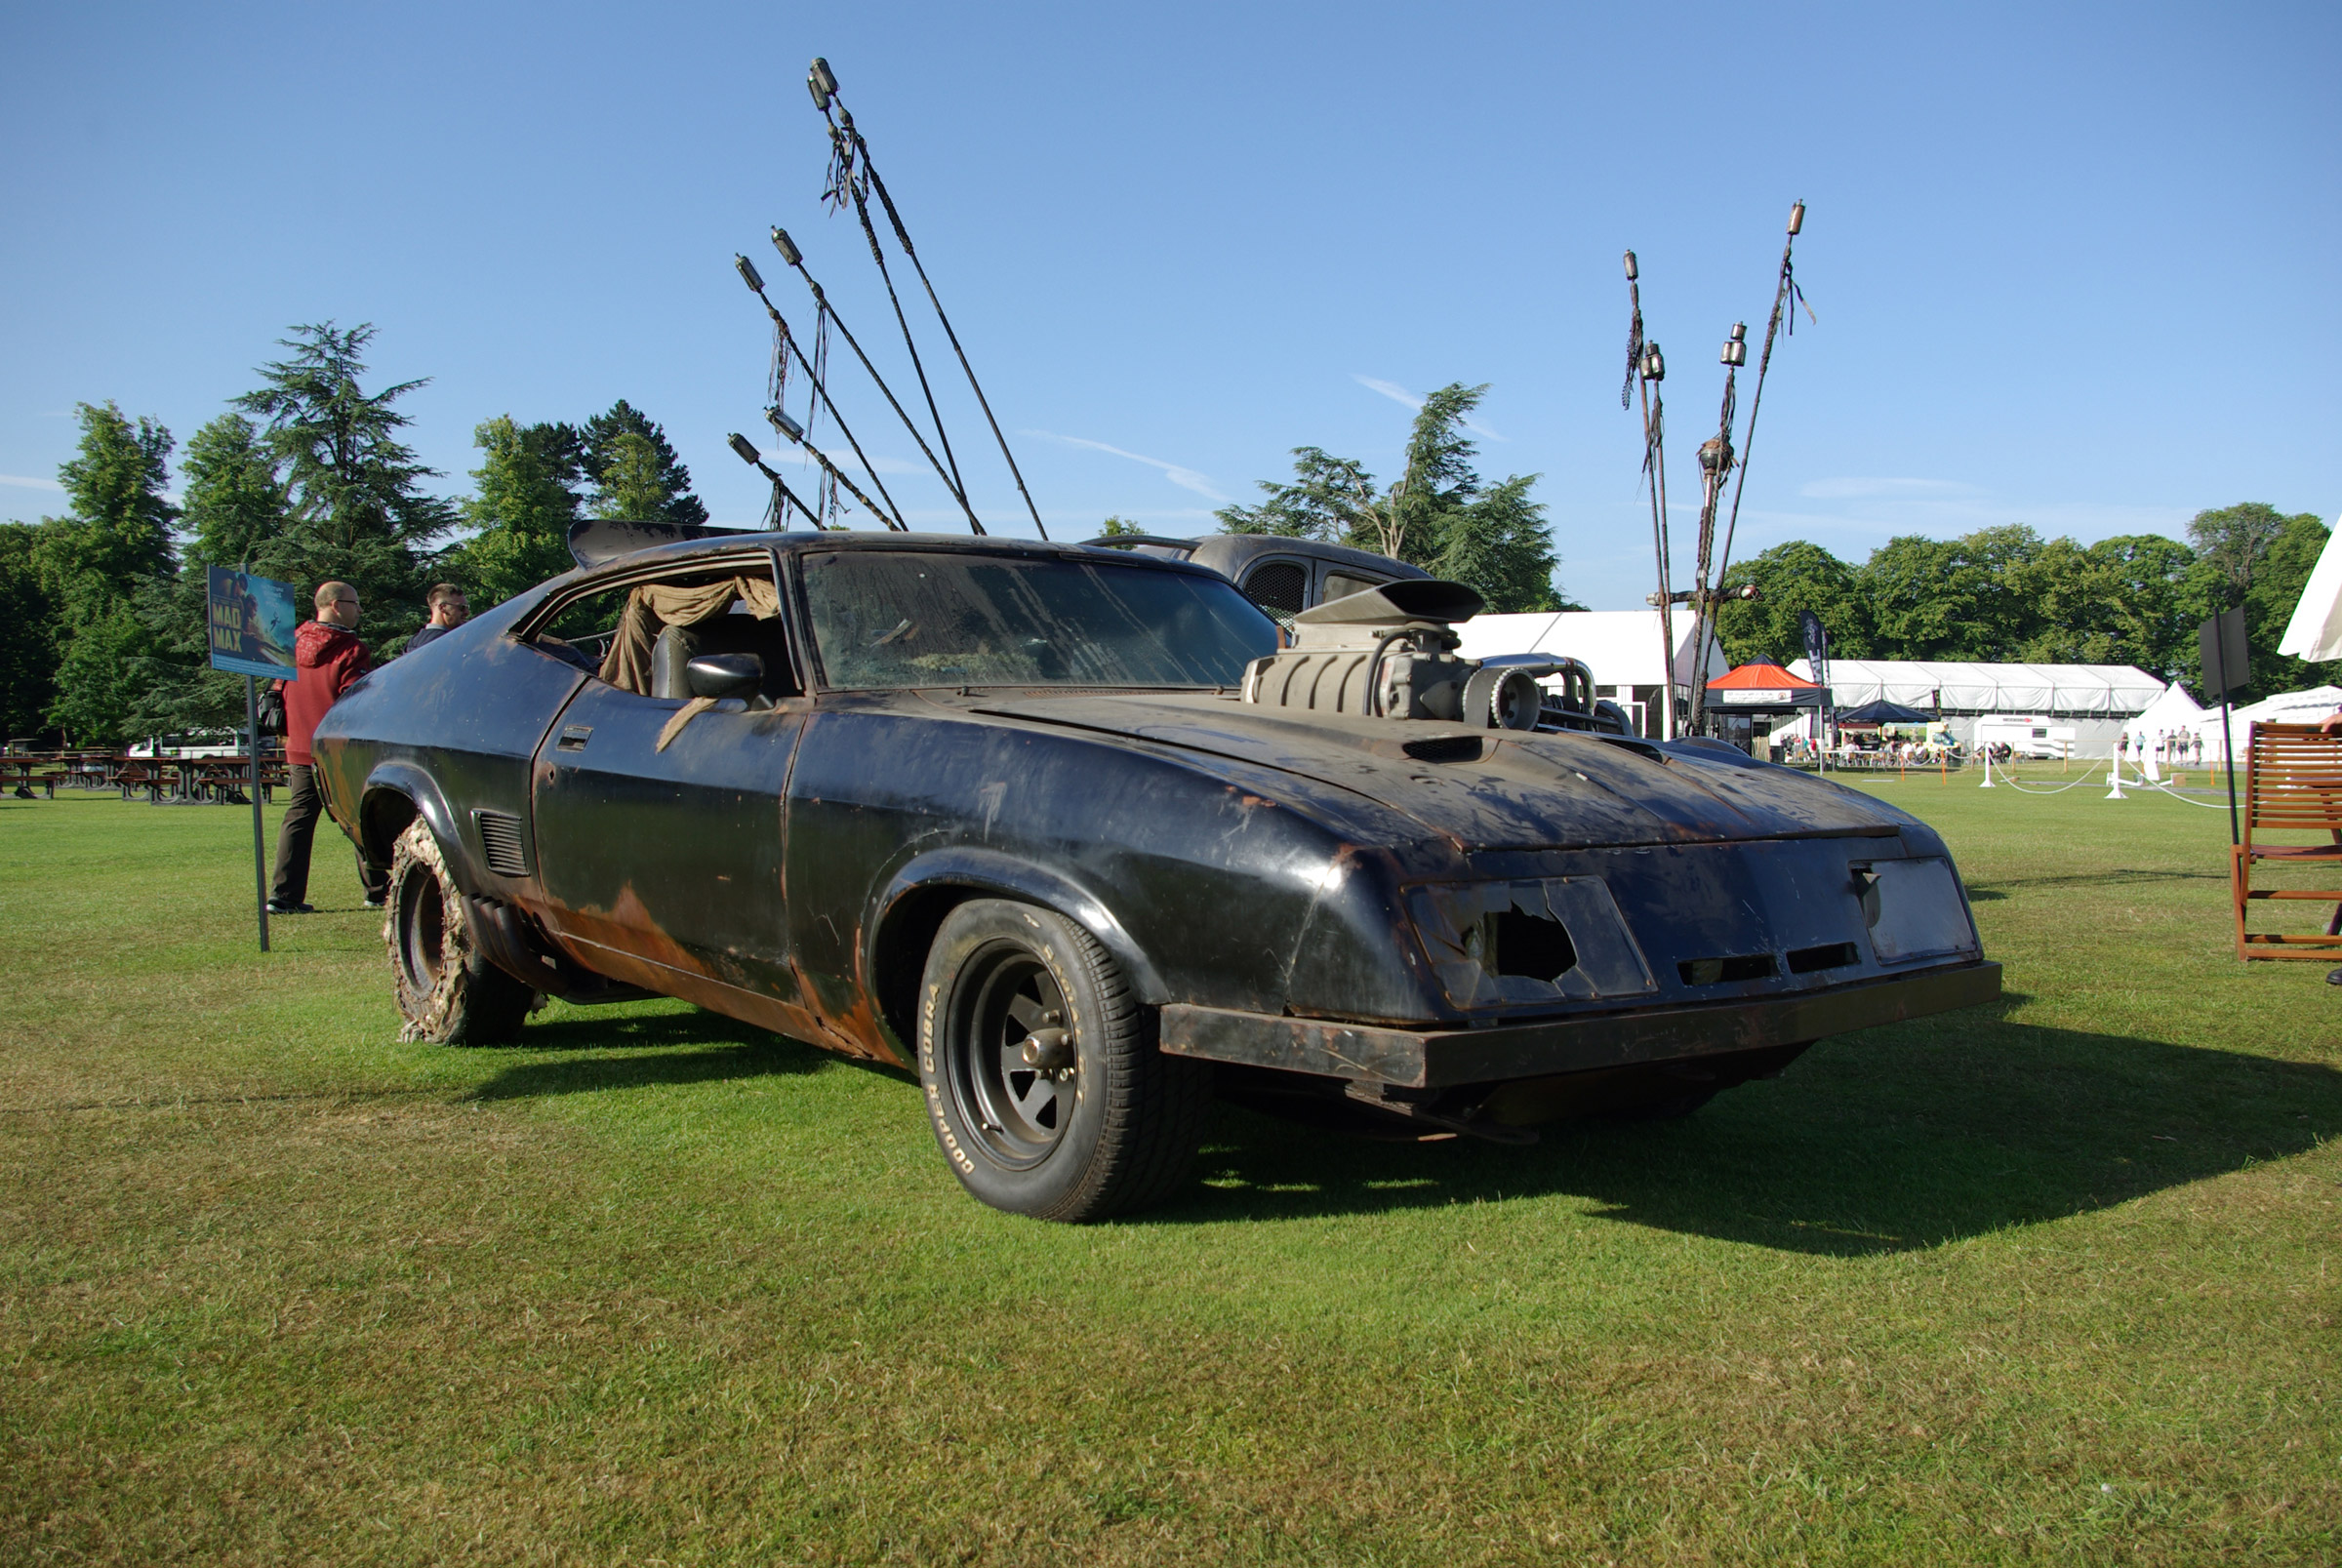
(1718, 971)
(1513, 942)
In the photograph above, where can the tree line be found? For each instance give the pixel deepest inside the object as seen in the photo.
(2008, 595)
(1438, 513)
(305, 478)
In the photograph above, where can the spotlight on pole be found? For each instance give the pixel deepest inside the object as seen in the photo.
(749, 274)
(786, 247)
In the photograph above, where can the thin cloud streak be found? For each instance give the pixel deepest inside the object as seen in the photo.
(30, 484)
(1184, 478)
(1406, 400)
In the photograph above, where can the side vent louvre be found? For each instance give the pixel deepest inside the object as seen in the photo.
(503, 843)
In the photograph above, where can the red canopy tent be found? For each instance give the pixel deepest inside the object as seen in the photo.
(1764, 687)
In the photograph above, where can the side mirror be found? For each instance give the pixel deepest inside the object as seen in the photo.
(724, 675)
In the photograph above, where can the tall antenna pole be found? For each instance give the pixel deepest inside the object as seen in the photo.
(1716, 465)
(1646, 367)
(1787, 296)
(789, 342)
(822, 83)
(783, 496)
(795, 259)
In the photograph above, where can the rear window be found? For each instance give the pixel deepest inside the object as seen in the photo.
(887, 619)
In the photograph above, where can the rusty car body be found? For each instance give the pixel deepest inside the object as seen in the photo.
(1082, 885)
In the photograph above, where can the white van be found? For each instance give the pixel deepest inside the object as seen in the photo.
(2026, 735)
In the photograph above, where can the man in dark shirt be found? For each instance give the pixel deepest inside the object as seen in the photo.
(328, 659)
(448, 610)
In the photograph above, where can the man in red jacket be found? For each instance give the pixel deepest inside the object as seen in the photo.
(329, 658)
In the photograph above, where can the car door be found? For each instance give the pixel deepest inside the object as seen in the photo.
(664, 864)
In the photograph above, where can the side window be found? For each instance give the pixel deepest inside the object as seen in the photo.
(1342, 584)
(640, 636)
(1279, 588)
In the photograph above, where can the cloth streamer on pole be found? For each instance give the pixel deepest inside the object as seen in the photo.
(2315, 632)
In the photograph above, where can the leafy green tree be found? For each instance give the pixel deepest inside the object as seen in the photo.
(524, 502)
(357, 510)
(236, 509)
(2282, 573)
(93, 563)
(633, 471)
(1437, 514)
(2231, 543)
(28, 635)
(1791, 579)
(2127, 600)
(1952, 599)
(631, 484)
(1118, 528)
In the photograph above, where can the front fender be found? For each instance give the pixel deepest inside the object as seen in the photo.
(990, 872)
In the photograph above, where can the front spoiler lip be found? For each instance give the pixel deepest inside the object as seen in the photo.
(1436, 1059)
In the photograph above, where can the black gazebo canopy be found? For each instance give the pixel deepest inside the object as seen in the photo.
(1884, 712)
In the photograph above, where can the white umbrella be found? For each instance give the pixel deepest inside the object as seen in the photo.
(2315, 632)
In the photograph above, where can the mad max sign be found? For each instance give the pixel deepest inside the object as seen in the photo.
(252, 622)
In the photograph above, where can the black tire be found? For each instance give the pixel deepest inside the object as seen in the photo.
(448, 993)
(1042, 1077)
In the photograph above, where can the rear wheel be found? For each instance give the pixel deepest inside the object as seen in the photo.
(1042, 1077)
(448, 992)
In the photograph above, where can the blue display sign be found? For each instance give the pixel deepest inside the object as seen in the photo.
(253, 619)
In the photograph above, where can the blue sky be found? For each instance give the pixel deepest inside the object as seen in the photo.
(2074, 266)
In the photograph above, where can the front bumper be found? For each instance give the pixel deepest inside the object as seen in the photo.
(1437, 1059)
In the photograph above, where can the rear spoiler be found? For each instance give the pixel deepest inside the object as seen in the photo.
(595, 539)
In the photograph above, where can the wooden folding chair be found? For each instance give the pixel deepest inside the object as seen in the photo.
(2293, 784)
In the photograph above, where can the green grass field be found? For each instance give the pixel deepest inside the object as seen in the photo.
(2055, 1282)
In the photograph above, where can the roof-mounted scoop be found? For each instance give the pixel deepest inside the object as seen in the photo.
(1391, 653)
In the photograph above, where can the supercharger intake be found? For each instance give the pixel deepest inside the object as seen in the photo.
(1391, 653)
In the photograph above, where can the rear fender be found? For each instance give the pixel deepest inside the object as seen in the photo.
(395, 793)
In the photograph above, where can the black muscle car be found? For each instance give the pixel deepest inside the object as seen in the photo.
(1077, 836)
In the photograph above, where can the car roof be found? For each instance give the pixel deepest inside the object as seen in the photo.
(718, 542)
(1229, 553)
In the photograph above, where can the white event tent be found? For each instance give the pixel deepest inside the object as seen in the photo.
(2286, 707)
(2095, 700)
(2060, 691)
(2175, 709)
(1622, 647)
(2315, 632)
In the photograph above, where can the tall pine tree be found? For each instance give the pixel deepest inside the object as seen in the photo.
(634, 472)
(357, 513)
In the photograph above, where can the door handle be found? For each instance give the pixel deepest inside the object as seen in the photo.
(574, 738)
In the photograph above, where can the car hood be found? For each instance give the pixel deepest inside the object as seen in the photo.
(1520, 791)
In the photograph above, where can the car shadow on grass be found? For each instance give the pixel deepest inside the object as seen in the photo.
(1886, 1142)
(622, 1052)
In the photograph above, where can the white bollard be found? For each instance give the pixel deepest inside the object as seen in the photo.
(2116, 794)
(1988, 770)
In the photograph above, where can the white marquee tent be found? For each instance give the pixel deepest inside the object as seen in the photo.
(2286, 707)
(2175, 709)
(2315, 632)
(2059, 691)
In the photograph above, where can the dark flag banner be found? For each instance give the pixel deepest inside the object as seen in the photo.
(253, 619)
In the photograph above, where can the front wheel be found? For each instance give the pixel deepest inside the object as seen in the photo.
(448, 991)
(1042, 1077)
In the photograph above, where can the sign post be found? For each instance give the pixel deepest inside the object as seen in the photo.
(2220, 643)
(253, 621)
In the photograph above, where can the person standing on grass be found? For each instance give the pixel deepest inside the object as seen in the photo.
(328, 658)
(448, 610)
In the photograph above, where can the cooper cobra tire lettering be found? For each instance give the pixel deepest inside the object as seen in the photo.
(1043, 1082)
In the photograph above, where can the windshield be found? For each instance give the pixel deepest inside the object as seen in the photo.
(885, 619)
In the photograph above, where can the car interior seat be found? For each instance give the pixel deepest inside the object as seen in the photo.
(678, 646)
